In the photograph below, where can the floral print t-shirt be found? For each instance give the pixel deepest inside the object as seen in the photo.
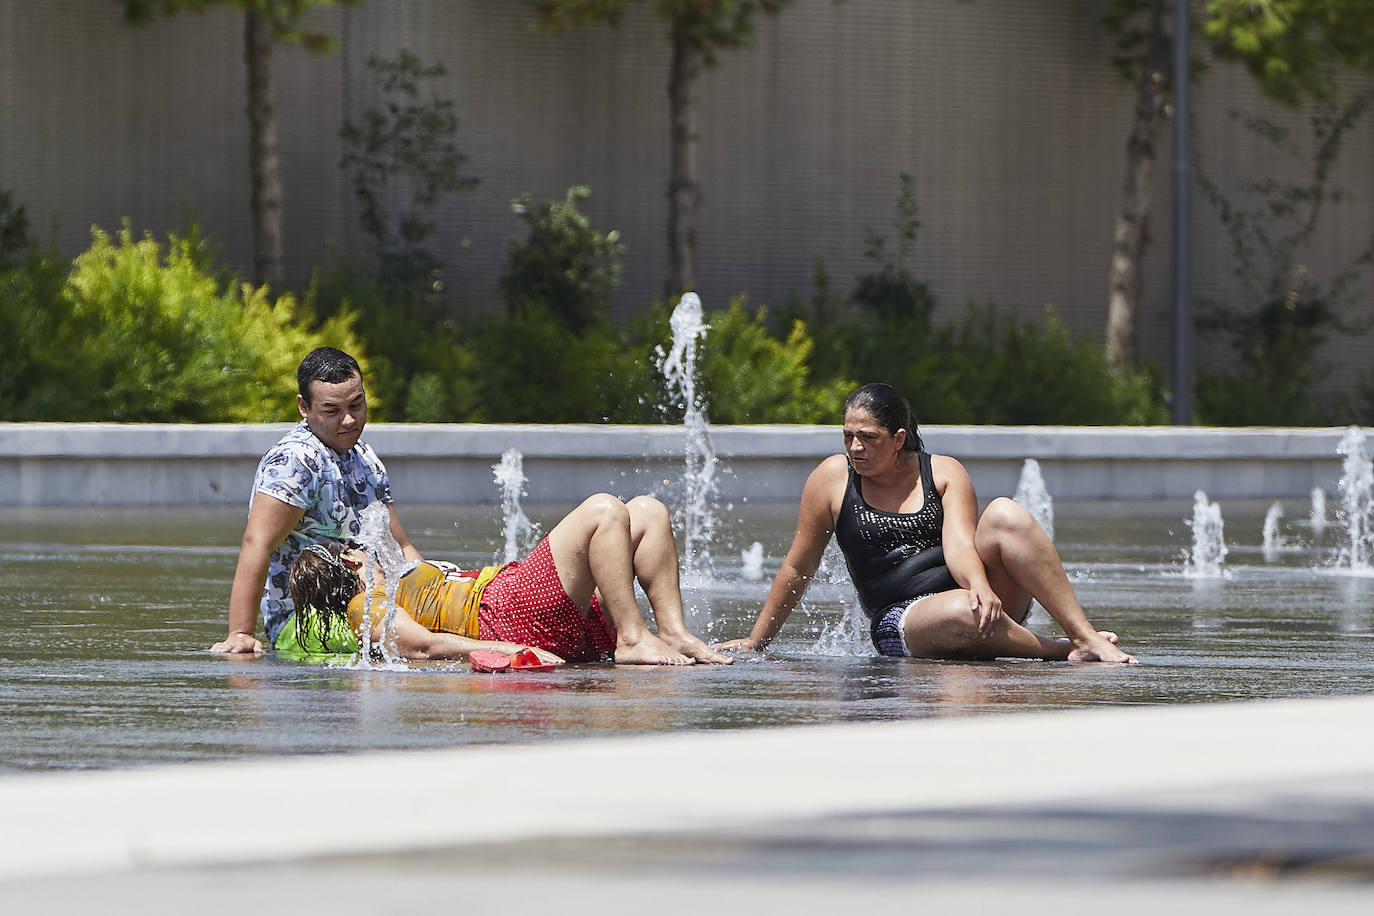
(332, 488)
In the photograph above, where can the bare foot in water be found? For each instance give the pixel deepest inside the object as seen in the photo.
(691, 646)
(1101, 649)
(648, 650)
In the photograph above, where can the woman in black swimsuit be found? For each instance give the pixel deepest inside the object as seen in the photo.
(935, 579)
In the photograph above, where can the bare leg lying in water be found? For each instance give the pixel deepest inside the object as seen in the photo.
(600, 548)
(1021, 565)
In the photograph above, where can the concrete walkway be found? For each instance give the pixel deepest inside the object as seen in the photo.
(1255, 807)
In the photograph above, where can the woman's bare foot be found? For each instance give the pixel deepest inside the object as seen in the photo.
(691, 646)
(648, 649)
(1100, 649)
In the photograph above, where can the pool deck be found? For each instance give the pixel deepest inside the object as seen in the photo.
(1261, 807)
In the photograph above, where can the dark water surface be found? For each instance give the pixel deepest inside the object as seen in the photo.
(108, 615)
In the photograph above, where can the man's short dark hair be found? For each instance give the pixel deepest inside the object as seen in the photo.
(325, 364)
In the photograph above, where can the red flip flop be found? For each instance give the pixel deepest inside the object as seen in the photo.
(489, 660)
(528, 660)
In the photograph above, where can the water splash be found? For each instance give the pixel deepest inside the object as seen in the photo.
(1357, 500)
(1034, 497)
(846, 635)
(1209, 547)
(381, 548)
(521, 535)
(1317, 515)
(697, 518)
(751, 562)
(1273, 540)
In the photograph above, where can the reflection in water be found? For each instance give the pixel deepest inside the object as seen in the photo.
(104, 663)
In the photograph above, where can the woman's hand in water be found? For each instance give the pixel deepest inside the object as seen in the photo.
(546, 656)
(238, 644)
(737, 645)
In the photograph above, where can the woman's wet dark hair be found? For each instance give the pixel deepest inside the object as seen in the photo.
(325, 364)
(890, 409)
(321, 586)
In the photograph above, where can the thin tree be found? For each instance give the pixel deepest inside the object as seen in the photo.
(697, 31)
(266, 23)
(1293, 48)
(1143, 56)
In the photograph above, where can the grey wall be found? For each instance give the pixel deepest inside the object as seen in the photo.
(1007, 113)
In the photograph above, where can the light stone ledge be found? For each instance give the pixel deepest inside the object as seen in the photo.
(113, 464)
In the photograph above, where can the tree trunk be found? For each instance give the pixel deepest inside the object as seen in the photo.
(264, 153)
(1125, 282)
(684, 192)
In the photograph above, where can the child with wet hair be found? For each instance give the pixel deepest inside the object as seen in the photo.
(436, 616)
(572, 598)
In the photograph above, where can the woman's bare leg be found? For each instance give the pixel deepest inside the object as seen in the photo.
(591, 550)
(940, 626)
(655, 561)
(1022, 564)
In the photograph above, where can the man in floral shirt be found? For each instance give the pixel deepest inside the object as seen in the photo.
(310, 487)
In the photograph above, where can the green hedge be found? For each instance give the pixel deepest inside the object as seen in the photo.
(133, 331)
(139, 330)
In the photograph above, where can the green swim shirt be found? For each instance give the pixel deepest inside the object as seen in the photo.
(338, 647)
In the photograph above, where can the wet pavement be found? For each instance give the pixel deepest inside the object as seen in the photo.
(1232, 771)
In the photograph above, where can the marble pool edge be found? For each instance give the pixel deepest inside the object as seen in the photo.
(132, 465)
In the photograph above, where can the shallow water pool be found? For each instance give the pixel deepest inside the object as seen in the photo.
(109, 613)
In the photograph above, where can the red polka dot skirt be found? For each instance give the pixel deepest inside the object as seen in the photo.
(526, 604)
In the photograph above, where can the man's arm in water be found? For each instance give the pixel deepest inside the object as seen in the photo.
(269, 522)
(408, 550)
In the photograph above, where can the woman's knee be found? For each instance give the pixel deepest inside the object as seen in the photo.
(606, 508)
(1004, 518)
(595, 513)
(941, 624)
(648, 510)
(1004, 512)
(647, 514)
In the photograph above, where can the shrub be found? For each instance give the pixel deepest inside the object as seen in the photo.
(536, 371)
(994, 369)
(34, 371)
(750, 376)
(984, 368)
(564, 264)
(134, 334)
(14, 232)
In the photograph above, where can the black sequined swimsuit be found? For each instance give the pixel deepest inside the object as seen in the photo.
(893, 557)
